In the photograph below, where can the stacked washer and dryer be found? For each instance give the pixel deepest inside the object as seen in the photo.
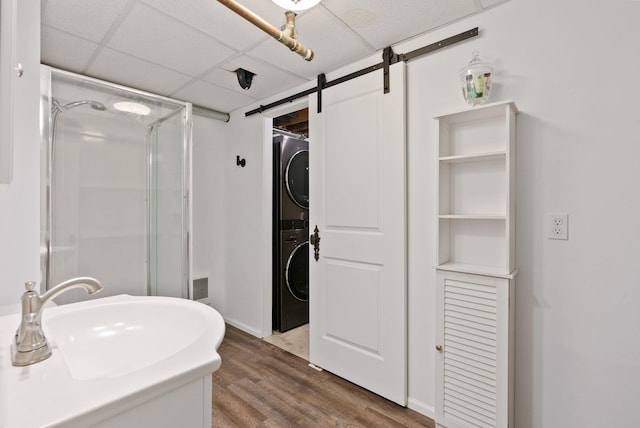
(290, 232)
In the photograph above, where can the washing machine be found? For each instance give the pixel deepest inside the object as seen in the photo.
(293, 289)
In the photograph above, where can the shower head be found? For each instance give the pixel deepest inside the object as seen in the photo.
(94, 105)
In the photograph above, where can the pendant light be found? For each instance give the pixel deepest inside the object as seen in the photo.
(296, 5)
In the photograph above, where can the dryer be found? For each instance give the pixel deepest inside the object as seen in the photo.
(293, 180)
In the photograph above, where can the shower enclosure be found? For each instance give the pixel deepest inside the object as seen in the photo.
(115, 181)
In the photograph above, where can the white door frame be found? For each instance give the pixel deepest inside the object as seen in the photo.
(267, 201)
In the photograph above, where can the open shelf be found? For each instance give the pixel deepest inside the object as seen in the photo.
(476, 190)
(479, 157)
(473, 187)
(472, 217)
(495, 271)
(474, 240)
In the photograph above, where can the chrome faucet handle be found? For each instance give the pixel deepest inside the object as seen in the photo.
(32, 336)
(27, 312)
(30, 344)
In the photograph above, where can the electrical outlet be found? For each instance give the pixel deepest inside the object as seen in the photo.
(557, 226)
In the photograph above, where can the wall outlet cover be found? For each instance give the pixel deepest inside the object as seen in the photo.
(557, 226)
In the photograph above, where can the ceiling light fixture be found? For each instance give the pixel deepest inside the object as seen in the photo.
(245, 77)
(296, 4)
(132, 107)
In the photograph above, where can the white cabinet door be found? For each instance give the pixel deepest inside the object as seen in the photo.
(474, 343)
(357, 182)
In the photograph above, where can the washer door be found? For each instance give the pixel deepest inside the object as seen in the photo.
(296, 273)
(297, 178)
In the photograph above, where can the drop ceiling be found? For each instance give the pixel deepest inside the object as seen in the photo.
(189, 50)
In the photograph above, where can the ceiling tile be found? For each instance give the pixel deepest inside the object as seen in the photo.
(268, 80)
(382, 25)
(130, 71)
(333, 44)
(184, 48)
(87, 19)
(211, 96)
(62, 50)
(160, 39)
(218, 21)
(490, 3)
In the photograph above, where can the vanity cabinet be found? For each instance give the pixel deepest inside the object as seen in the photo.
(475, 271)
(475, 350)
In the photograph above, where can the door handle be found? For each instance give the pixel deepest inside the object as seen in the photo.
(314, 239)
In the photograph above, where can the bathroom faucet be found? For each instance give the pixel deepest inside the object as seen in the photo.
(30, 346)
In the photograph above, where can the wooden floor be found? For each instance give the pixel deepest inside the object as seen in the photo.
(260, 385)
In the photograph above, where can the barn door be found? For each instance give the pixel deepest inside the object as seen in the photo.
(358, 316)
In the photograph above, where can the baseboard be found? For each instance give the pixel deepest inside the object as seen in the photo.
(247, 329)
(422, 408)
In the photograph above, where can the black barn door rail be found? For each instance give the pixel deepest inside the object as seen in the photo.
(388, 58)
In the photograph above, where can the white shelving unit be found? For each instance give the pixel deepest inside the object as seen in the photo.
(476, 183)
(476, 266)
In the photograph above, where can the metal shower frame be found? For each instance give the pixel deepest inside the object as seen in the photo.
(46, 135)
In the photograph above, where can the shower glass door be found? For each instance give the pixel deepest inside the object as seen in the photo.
(115, 177)
(168, 270)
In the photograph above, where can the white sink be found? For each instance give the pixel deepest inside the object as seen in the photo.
(108, 356)
(117, 338)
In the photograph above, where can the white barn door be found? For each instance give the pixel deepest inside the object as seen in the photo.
(357, 170)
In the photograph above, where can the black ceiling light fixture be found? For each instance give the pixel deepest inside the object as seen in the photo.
(245, 77)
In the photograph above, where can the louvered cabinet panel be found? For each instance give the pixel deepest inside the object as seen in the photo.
(474, 345)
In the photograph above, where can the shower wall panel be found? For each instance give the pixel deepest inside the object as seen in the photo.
(100, 202)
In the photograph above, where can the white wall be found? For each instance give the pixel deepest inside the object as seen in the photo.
(570, 68)
(19, 201)
(208, 199)
(246, 229)
(576, 356)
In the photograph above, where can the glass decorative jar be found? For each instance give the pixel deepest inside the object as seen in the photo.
(475, 78)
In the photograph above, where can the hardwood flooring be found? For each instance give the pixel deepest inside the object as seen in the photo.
(260, 385)
(295, 341)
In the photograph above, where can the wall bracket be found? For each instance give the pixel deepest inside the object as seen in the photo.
(322, 81)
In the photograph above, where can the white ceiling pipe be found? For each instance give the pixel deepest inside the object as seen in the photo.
(287, 36)
(211, 114)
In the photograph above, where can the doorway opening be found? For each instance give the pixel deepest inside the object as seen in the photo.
(296, 122)
(290, 233)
